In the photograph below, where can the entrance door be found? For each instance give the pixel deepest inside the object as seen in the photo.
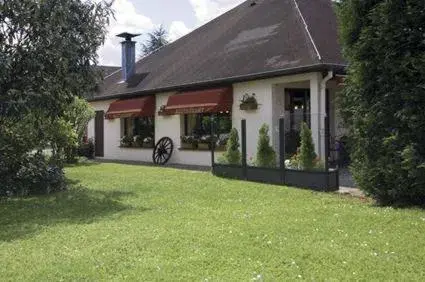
(99, 133)
(297, 111)
(297, 103)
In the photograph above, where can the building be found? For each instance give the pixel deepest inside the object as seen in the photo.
(285, 52)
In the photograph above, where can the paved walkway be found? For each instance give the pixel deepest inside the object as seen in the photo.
(347, 184)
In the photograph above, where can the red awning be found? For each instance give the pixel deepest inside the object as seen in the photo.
(137, 107)
(195, 102)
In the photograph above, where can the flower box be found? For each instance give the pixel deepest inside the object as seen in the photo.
(204, 146)
(248, 106)
(189, 146)
(248, 102)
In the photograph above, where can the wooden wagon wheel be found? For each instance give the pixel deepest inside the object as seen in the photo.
(163, 151)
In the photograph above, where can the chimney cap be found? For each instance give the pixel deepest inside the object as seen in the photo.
(127, 36)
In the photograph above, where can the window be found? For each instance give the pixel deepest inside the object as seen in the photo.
(138, 132)
(200, 124)
(197, 130)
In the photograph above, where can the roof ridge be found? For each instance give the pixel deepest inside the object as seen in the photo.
(308, 31)
(114, 72)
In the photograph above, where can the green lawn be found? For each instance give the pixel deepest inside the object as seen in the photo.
(143, 223)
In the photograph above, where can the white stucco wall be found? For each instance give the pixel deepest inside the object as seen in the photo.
(172, 126)
(112, 136)
(254, 119)
(270, 94)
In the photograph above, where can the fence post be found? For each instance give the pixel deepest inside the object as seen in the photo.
(243, 137)
(212, 143)
(327, 140)
(282, 148)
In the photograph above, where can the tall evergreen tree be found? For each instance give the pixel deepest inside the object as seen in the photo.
(307, 154)
(266, 156)
(233, 154)
(156, 39)
(383, 101)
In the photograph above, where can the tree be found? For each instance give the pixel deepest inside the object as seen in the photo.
(384, 98)
(266, 156)
(77, 116)
(156, 40)
(47, 53)
(232, 154)
(307, 153)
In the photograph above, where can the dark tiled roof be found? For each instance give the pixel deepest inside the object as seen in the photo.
(107, 70)
(248, 42)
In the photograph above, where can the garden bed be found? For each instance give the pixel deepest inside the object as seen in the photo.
(315, 180)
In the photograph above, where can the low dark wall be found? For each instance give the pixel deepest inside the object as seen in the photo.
(315, 180)
(228, 171)
(265, 175)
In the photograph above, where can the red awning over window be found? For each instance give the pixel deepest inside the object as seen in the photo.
(195, 102)
(137, 107)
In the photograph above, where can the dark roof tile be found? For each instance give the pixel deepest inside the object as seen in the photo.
(269, 37)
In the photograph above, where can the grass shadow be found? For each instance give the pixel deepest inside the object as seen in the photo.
(21, 218)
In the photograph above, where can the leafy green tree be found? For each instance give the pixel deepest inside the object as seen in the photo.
(156, 39)
(233, 154)
(266, 156)
(307, 152)
(78, 115)
(47, 53)
(384, 98)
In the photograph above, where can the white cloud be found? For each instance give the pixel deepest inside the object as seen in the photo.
(126, 20)
(177, 30)
(206, 10)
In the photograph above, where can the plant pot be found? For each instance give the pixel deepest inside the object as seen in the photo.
(148, 145)
(189, 146)
(248, 106)
(204, 146)
(126, 145)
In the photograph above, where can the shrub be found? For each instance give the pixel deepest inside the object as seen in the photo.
(307, 155)
(232, 154)
(383, 99)
(266, 156)
(33, 176)
(86, 149)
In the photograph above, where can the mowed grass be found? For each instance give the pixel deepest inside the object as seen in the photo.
(122, 222)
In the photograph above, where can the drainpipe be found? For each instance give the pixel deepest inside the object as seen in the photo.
(322, 105)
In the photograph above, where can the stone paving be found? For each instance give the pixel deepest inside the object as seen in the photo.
(347, 184)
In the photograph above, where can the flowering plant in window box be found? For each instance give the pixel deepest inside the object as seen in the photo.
(248, 102)
(126, 141)
(161, 110)
(148, 142)
(138, 141)
(205, 141)
(189, 142)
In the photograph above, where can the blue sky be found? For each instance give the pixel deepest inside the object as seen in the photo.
(141, 16)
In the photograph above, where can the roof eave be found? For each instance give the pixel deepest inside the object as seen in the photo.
(337, 68)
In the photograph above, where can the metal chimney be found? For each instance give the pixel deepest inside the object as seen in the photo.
(128, 58)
